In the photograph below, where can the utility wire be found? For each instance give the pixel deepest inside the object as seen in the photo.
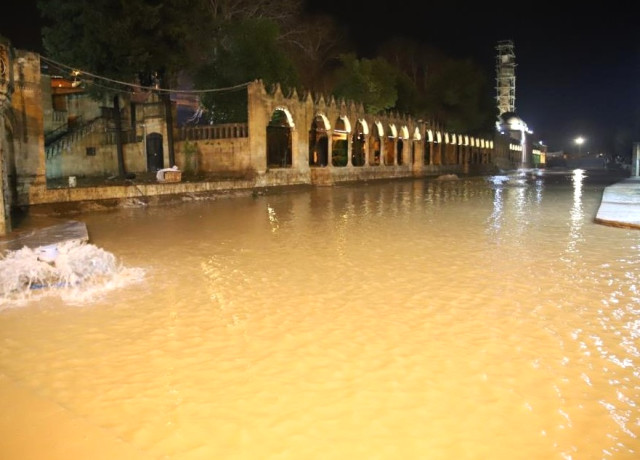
(133, 85)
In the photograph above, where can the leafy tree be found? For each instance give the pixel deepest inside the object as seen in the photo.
(459, 95)
(315, 44)
(249, 51)
(370, 81)
(123, 39)
(455, 92)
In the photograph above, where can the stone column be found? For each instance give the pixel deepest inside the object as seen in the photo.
(6, 88)
(330, 148)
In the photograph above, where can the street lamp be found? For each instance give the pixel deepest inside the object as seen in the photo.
(579, 140)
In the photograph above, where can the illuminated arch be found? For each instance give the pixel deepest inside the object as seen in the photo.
(287, 114)
(347, 123)
(365, 126)
(325, 120)
(379, 128)
(429, 135)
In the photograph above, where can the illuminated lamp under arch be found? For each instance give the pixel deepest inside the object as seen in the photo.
(404, 132)
(394, 130)
(438, 137)
(429, 135)
(416, 134)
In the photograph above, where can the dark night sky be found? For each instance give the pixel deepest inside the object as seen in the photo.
(578, 67)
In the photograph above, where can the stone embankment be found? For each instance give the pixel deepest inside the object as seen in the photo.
(620, 206)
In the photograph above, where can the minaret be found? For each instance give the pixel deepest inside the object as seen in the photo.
(505, 77)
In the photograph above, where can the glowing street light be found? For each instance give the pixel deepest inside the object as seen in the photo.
(579, 140)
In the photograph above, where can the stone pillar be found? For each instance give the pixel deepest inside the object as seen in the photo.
(6, 88)
(635, 159)
(330, 148)
(349, 150)
(257, 125)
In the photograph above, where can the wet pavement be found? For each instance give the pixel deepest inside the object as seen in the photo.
(44, 233)
(620, 206)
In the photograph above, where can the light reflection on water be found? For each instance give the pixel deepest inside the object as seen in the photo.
(411, 319)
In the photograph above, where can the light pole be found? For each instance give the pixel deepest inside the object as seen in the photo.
(579, 140)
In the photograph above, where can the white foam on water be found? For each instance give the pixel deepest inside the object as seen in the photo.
(73, 270)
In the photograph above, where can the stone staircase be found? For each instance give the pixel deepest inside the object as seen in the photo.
(62, 141)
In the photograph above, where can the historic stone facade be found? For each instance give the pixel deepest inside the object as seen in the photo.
(289, 139)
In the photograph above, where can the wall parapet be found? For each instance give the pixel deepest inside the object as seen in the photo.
(224, 131)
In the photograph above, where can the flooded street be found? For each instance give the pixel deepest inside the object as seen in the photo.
(460, 319)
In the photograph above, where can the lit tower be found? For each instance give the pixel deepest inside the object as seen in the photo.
(505, 77)
(509, 122)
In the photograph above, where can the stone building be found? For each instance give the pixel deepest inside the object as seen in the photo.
(57, 145)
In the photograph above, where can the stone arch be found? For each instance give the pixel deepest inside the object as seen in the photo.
(359, 144)
(437, 148)
(428, 147)
(319, 141)
(390, 144)
(340, 143)
(279, 142)
(375, 144)
(416, 138)
(403, 134)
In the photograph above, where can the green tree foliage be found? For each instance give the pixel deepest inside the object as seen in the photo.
(455, 92)
(249, 51)
(122, 38)
(224, 43)
(370, 81)
(459, 94)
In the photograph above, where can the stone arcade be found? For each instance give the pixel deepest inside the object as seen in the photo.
(48, 135)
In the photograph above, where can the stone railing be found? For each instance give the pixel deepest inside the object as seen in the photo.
(57, 146)
(226, 131)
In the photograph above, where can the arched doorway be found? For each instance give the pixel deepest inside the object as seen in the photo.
(339, 144)
(375, 145)
(358, 151)
(279, 146)
(155, 154)
(319, 142)
(390, 145)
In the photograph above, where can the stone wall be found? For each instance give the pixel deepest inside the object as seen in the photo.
(224, 152)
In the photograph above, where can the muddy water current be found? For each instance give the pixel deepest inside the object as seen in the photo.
(460, 319)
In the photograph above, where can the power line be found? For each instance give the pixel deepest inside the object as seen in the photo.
(75, 71)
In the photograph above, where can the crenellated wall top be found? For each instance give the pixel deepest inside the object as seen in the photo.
(302, 108)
